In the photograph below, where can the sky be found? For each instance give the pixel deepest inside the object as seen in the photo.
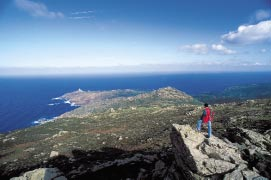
(134, 36)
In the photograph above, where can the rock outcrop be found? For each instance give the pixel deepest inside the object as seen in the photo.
(250, 138)
(42, 174)
(255, 148)
(198, 157)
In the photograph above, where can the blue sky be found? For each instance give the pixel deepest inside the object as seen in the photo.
(134, 36)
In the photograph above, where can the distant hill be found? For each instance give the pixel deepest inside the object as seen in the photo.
(237, 93)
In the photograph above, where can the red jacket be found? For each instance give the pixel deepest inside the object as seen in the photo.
(206, 115)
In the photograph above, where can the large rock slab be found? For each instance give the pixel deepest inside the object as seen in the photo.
(199, 157)
(203, 156)
(42, 174)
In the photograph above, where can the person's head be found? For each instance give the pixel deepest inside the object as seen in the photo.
(205, 105)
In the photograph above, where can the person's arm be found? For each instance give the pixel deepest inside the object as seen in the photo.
(203, 114)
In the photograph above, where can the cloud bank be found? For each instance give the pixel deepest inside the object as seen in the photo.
(250, 34)
(37, 9)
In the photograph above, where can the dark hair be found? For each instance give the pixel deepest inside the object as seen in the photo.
(205, 104)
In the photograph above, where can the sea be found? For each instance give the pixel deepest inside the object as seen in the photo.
(28, 101)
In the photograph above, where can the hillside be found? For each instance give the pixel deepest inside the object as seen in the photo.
(134, 128)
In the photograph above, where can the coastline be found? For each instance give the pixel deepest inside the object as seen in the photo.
(63, 101)
(20, 107)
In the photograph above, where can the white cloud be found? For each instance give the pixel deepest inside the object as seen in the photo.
(82, 15)
(222, 49)
(82, 12)
(262, 15)
(196, 48)
(249, 34)
(37, 9)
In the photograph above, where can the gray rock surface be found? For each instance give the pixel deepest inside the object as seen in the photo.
(255, 148)
(42, 174)
(251, 138)
(199, 157)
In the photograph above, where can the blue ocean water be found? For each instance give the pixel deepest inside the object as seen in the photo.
(24, 100)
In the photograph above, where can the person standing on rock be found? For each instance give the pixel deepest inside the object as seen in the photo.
(206, 118)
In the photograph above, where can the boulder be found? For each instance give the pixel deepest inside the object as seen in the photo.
(42, 174)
